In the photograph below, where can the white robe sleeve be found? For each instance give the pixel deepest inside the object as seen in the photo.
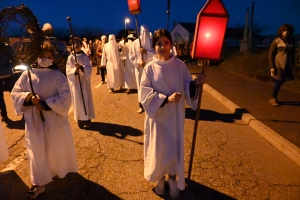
(187, 79)
(61, 102)
(150, 99)
(19, 94)
(70, 68)
(87, 68)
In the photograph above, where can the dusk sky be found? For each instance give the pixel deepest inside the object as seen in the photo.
(109, 15)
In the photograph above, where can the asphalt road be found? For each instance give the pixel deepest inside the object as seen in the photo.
(231, 160)
(253, 97)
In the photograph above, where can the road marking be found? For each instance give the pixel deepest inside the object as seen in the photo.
(97, 86)
(15, 162)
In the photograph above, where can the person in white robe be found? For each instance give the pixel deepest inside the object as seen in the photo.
(43, 96)
(3, 147)
(141, 54)
(79, 73)
(129, 68)
(114, 67)
(85, 47)
(166, 86)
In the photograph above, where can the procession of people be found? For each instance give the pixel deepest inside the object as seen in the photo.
(129, 65)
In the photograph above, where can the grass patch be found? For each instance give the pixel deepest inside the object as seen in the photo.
(255, 66)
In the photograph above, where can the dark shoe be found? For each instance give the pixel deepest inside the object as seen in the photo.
(4, 118)
(160, 187)
(274, 102)
(87, 124)
(174, 191)
(35, 191)
(140, 110)
(128, 91)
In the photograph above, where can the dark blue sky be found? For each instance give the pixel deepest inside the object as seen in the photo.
(109, 15)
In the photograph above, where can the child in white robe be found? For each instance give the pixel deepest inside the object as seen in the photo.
(43, 96)
(166, 85)
(3, 147)
(79, 71)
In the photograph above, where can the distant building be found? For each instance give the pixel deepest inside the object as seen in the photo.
(183, 32)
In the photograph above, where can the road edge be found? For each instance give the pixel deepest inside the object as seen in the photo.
(280, 143)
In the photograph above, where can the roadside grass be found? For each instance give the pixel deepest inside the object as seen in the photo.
(255, 66)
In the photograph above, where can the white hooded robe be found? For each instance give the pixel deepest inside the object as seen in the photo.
(129, 68)
(164, 126)
(49, 144)
(135, 55)
(85, 89)
(114, 67)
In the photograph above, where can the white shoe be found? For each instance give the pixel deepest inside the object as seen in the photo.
(160, 187)
(174, 191)
(35, 191)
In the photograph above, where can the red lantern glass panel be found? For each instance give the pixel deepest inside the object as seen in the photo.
(134, 6)
(210, 31)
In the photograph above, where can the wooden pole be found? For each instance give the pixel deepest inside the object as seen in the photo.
(200, 90)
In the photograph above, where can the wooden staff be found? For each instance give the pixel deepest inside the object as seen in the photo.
(138, 35)
(200, 90)
(30, 82)
(71, 36)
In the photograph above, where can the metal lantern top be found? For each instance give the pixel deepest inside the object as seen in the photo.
(134, 6)
(210, 31)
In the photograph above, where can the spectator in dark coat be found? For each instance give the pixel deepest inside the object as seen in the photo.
(281, 59)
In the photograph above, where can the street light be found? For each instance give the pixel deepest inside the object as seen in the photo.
(126, 21)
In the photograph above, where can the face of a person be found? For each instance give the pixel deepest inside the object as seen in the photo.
(47, 54)
(103, 40)
(284, 34)
(77, 45)
(163, 46)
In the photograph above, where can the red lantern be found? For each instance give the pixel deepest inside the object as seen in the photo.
(210, 31)
(134, 6)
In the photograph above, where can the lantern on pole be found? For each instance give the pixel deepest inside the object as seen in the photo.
(208, 41)
(134, 6)
(210, 31)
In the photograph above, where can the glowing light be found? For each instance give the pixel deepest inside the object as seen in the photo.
(207, 35)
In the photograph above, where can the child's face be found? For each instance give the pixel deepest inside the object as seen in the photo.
(77, 45)
(47, 54)
(163, 46)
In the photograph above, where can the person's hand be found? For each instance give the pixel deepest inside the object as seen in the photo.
(77, 65)
(201, 79)
(141, 63)
(175, 97)
(35, 99)
(36, 102)
(272, 70)
(143, 51)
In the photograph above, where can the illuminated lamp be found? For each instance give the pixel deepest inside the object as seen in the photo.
(210, 31)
